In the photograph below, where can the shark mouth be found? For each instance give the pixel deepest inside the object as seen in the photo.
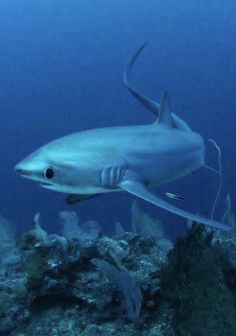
(59, 188)
(49, 186)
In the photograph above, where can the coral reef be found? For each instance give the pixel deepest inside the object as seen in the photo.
(84, 283)
(126, 284)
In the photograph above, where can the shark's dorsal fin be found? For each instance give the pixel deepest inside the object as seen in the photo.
(165, 114)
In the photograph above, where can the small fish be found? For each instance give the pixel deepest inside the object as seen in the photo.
(175, 197)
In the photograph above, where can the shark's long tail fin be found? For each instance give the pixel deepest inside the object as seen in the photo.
(147, 102)
(150, 104)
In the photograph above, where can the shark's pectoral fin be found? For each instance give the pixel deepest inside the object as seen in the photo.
(74, 198)
(139, 189)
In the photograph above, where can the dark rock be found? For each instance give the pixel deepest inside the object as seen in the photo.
(193, 283)
(6, 329)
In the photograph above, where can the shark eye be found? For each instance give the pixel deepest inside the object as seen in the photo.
(49, 173)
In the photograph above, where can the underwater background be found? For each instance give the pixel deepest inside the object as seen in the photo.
(61, 70)
(115, 264)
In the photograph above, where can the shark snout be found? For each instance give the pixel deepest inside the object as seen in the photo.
(21, 170)
(30, 169)
(25, 169)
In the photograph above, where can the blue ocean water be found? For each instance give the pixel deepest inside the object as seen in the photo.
(61, 70)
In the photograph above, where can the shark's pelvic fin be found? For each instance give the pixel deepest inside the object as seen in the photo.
(74, 198)
(213, 170)
(165, 114)
(139, 189)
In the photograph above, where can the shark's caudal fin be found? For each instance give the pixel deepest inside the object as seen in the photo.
(138, 189)
(150, 104)
(147, 102)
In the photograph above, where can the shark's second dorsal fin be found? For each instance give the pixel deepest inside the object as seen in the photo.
(165, 116)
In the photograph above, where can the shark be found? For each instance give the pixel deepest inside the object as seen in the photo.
(134, 159)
